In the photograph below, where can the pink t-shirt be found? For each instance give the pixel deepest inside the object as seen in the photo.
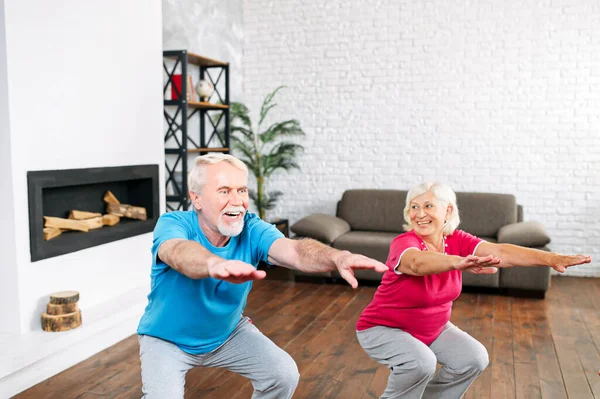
(418, 305)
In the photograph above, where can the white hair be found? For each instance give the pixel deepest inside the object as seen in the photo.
(197, 176)
(443, 194)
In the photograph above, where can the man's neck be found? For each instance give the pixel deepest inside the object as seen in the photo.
(212, 235)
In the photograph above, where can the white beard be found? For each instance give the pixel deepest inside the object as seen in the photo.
(231, 229)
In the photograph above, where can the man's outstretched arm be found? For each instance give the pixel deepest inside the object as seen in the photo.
(311, 256)
(193, 260)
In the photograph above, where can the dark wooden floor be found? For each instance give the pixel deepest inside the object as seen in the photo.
(538, 348)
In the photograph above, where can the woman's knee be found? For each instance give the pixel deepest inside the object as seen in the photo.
(420, 368)
(477, 361)
(480, 360)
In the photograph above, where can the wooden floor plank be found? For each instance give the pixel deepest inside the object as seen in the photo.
(567, 329)
(502, 364)
(538, 348)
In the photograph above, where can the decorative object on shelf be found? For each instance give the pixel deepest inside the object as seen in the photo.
(176, 88)
(205, 89)
(263, 151)
(212, 134)
(62, 312)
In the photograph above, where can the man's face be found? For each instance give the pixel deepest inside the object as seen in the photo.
(224, 199)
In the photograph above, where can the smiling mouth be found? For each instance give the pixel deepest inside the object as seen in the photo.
(424, 223)
(233, 215)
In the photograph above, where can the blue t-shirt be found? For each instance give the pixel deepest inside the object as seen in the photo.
(199, 315)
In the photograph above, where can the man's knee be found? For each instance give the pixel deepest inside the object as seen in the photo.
(284, 374)
(287, 372)
(160, 382)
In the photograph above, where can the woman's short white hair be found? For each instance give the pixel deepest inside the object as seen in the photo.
(197, 176)
(443, 194)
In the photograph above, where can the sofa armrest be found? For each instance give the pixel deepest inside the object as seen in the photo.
(325, 228)
(526, 234)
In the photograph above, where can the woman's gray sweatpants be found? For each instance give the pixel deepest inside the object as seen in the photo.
(247, 351)
(412, 364)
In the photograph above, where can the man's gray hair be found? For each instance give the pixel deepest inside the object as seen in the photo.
(443, 194)
(197, 176)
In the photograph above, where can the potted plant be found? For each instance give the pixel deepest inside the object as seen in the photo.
(263, 150)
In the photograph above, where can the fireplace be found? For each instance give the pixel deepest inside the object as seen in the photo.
(57, 192)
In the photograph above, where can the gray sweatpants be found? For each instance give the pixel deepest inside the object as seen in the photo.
(247, 351)
(412, 364)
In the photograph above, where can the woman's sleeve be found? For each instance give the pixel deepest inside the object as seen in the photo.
(398, 247)
(467, 242)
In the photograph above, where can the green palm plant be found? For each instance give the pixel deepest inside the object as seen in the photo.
(264, 152)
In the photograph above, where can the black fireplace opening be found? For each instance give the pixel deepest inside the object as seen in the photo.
(57, 192)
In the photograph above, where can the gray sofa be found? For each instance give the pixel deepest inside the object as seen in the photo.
(367, 220)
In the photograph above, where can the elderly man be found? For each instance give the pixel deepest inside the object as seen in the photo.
(204, 262)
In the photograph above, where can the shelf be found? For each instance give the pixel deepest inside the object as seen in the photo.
(196, 104)
(208, 149)
(180, 150)
(196, 59)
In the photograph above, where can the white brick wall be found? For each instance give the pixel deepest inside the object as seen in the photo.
(491, 96)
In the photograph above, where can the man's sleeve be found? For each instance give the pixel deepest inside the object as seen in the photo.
(170, 225)
(400, 244)
(262, 236)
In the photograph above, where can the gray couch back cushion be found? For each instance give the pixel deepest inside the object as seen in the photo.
(373, 210)
(483, 214)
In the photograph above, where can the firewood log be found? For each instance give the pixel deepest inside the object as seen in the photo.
(61, 322)
(64, 308)
(67, 224)
(51, 232)
(110, 220)
(94, 223)
(110, 198)
(82, 215)
(62, 297)
(128, 211)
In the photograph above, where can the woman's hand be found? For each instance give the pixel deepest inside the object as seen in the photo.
(561, 262)
(479, 264)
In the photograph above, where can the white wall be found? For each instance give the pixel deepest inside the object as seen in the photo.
(10, 320)
(85, 90)
(487, 96)
(211, 28)
(81, 89)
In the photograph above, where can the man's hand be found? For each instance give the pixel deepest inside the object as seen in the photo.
(479, 264)
(346, 262)
(234, 271)
(561, 262)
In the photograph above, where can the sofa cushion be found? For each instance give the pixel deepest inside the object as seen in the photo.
(526, 278)
(325, 228)
(483, 214)
(373, 210)
(481, 280)
(373, 244)
(526, 234)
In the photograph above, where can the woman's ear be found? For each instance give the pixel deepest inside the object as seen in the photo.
(449, 210)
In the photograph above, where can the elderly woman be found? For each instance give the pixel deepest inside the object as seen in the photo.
(407, 324)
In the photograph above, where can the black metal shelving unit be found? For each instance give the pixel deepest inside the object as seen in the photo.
(213, 126)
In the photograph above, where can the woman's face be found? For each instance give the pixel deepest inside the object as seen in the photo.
(427, 214)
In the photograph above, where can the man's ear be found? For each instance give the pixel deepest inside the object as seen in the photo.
(195, 200)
